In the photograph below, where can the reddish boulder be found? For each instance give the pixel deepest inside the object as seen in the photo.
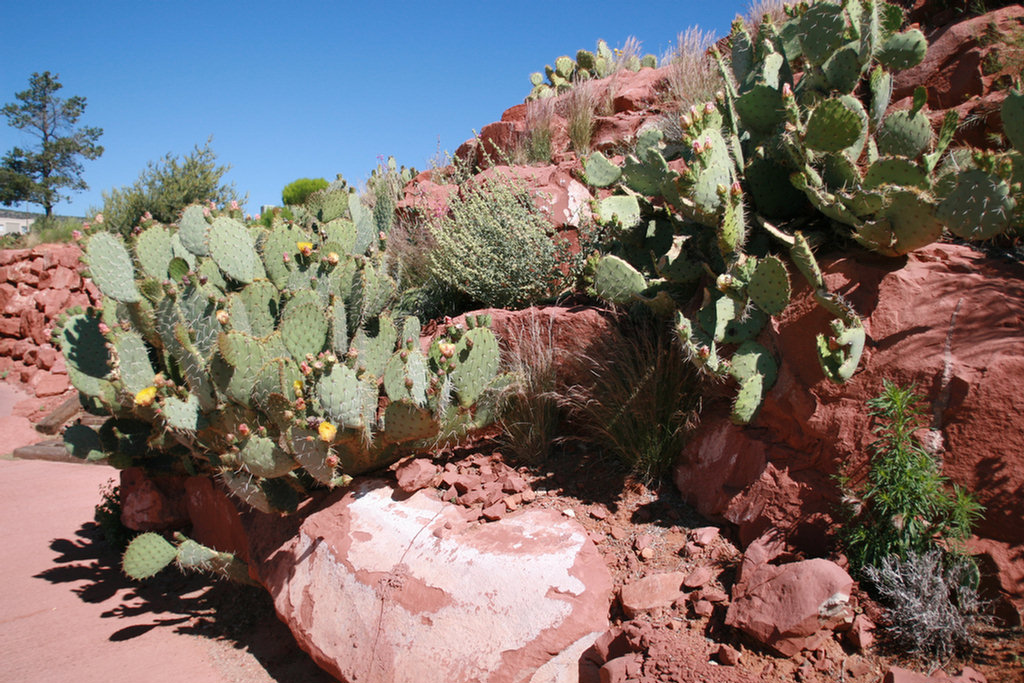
(945, 317)
(651, 592)
(214, 516)
(386, 588)
(790, 607)
(415, 474)
(152, 503)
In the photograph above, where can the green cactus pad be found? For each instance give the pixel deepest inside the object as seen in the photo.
(374, 343)
(746, 328)
(902, 50)
(247, 489)
(194, 556)
(647, 140)
(832, 127)
(281, 242)
(904, 134)
(881, 94)
(110, 266)
(761, 109)
(839, 353)
(980, 206)
(907, 223)
(769, 285)
(194, 231)
(622, 211)
(477, 359)
(676, 265)
(753, 359)
(405, 422)
(805, 262)
(599, 172)
(843, 68)
(895, 171)
(262, 457)
(311, 452)
(146, 555)
(406, 378)
(88, 361)
(232, 247)
(646, 177)
(154, 251)
(183, 417)
(715, 316)
(748, 400)
(616, 281)
(366, 227)
(83, 442)
(134, 369)
(260, 303)
(823, 30)
(1013, 118)
(340, 396)
(303, 326)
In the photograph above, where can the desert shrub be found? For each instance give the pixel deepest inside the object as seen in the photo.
(494, 245)
(52, 230)
(165, 188)
(934, 606)
(297, 191)
(903, 506)
(643, 403)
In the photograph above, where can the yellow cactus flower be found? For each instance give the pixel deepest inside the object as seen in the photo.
(305, 247)
(297, 388)
(145, 397)
(327, 432)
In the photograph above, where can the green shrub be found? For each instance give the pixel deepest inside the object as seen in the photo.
(495, 245)
(904, 505)
(165, 188)
(297, 191)
(108, 516)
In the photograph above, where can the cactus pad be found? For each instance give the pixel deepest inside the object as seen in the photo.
(110, 266)
(262, 457)
(147, 555)
(979, 207)
(616, 281)
(769, 285)
(833, 126)
(232, 248)
(340, 394)
(599, 172)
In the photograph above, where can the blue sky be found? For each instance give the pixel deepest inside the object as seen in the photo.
(305, 89)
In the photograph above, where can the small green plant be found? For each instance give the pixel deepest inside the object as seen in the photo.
(494, 243)
(904, 506)
(298, 191)
(108, 516)
(536, 143)
(150, 553)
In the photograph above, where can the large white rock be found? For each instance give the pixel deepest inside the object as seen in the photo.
(380, 588)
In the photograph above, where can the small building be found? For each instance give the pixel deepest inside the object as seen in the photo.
(16, 222)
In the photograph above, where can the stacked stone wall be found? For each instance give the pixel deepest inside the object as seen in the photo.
(36, 286)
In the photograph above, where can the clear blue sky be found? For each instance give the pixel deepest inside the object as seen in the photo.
(305, 89)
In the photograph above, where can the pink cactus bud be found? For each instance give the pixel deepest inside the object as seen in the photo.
(707, 144)
(304, 368)
(99, 219)
(287, 258)
(333, 258)
(300, 404)
(698, 148)
(709, 107)
(76, 235)
(234, 205)
(222, 317)
(704, 352)
(408, 382)
(736, 190)
(331, 460)
(687, 121)
(786, 90)
(243, 429)
(104, 328)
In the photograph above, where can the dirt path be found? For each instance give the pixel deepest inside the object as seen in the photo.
(66, 612)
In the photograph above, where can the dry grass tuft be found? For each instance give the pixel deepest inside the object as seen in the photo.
(693, 77)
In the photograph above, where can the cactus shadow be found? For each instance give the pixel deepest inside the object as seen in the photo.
(241, 617)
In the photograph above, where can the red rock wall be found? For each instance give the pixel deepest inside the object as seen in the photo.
(36, 286)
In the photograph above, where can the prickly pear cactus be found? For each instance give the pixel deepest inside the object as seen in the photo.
(266, 357)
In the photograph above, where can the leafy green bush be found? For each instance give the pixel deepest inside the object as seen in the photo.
(903, 506)
(165, 188)
(297, 191)
(495, 245)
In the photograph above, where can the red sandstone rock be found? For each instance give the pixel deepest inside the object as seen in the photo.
(861, 634)
(52, 301)
(51, 385)
(415, 474)
(215, 519)
(789, 607)
(779, 472)
(698, 577)
(704, 535)
(621, 669)
(651, 592)
(898, 674)
(728, 655)
(373, 594)
(152, 503)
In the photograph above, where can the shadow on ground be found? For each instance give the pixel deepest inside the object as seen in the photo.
(240, 616)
